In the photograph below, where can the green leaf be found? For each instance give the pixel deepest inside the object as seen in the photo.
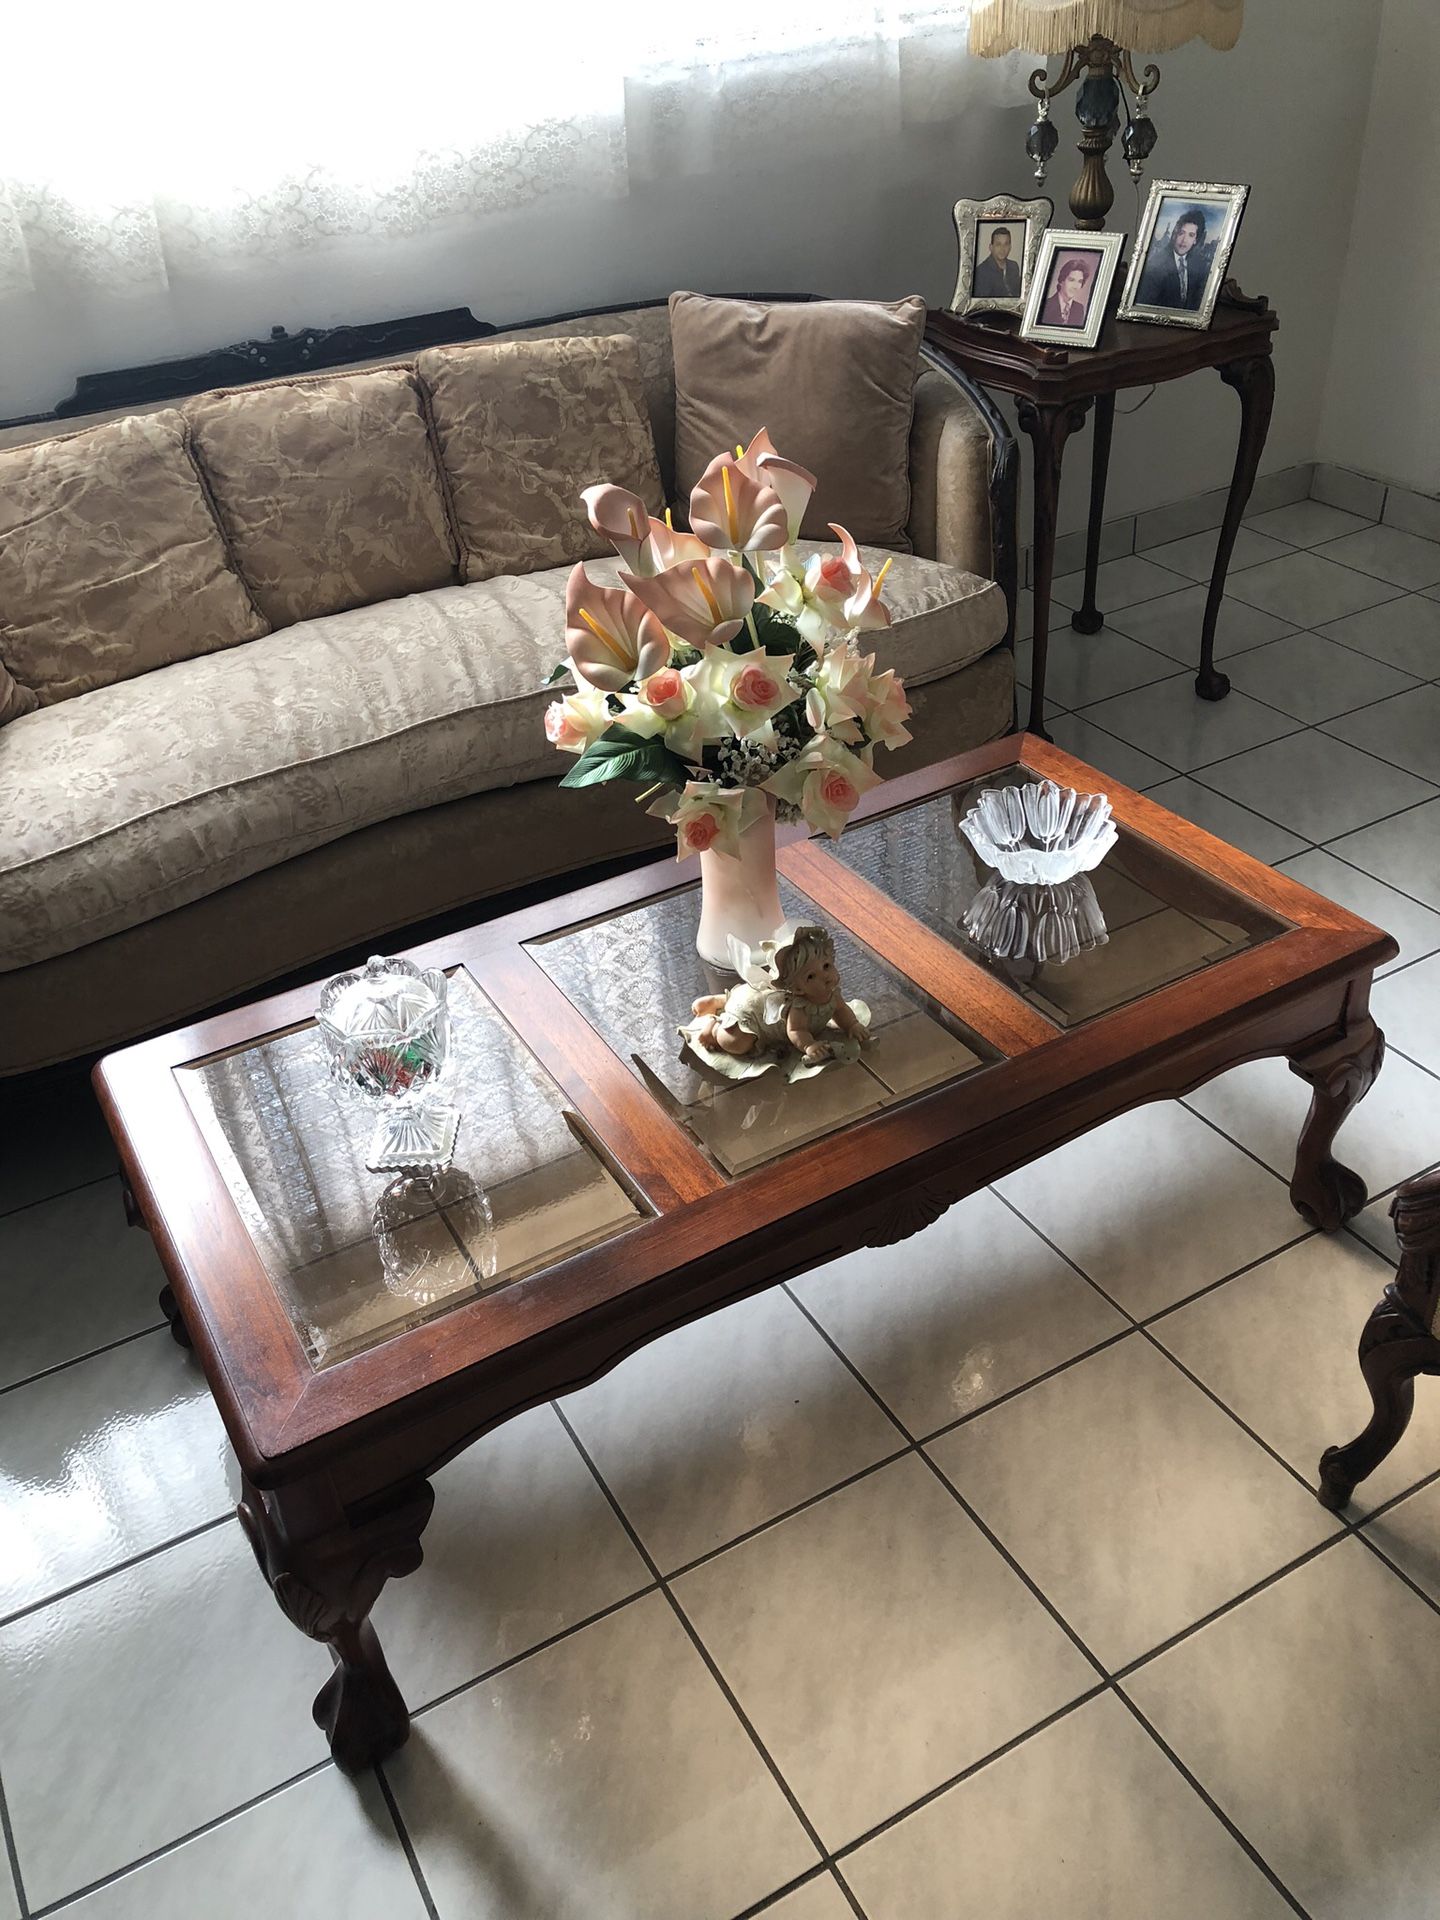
(621, 755)
(561, 671)
(778, 633)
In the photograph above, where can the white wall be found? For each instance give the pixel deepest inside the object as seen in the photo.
(1284, 111)
(1381, 410)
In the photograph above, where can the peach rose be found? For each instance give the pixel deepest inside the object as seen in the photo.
(572, 723)
(699, 832)
(667, 693)
(755, 688)
(837, 792)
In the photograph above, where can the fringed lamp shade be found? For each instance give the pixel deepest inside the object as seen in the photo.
(1144, 26)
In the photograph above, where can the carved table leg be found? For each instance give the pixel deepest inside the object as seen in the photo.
(168, 1304)
(170, 1307)
(1254, 381)
(1049, 427)
(1397, 1342)
(1340, 1074)
(326, 1584)
(1087, 618)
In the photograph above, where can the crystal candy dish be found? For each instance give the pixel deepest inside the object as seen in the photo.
(1013, 921)
(1040, 834)
(387, 1032)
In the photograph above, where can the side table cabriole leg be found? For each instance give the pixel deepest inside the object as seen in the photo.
(1049, 427)
(1254, 381)
(1340, 1074)
(1087, 618)
(326, 1584)
(1397, 1343)
(166, 1300)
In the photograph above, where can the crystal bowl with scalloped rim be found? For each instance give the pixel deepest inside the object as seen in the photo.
(1040, 833)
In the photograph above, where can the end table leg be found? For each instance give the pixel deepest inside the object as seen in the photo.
(326, 1585)
(1087, 618)
(1340, 1074)
(1392, 1352)
(1398, 1341)
(1254, 381)
(1049, 427)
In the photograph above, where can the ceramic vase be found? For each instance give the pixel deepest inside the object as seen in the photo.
(739, 897)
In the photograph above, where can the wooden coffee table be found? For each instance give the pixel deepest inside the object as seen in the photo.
(357, 1332)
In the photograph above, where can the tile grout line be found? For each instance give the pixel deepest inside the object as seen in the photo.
(387, 1794)
(444, 1698)
(12, 1856)
(693, 1636)
(173, 1846)
(1209, 1800)
(769, 1901)
(120, 1566)
(44, 1199)
(79, 1359)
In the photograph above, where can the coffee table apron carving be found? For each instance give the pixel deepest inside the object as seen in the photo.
(624, 1196)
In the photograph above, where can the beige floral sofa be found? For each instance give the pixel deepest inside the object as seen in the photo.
(329, 723)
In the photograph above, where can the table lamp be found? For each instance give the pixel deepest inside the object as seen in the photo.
(1098, 39)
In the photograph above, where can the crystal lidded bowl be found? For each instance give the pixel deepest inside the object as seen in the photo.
(387, 1032)
(1040, 833)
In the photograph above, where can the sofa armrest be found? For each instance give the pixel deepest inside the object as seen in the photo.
(963, 477)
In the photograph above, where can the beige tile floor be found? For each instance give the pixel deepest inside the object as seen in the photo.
(978, 1578)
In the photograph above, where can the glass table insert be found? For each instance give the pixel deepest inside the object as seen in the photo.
(357, 1257)
(1162, 917)
(635, 974)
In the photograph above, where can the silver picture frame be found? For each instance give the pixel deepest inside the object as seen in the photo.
(1099, 254)
(1168, 202)
(999, 209)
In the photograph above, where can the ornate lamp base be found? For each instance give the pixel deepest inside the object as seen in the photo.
(1100, 67)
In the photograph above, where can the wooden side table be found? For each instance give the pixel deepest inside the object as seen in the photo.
(1055, 388)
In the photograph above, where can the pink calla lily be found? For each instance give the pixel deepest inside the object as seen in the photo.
(671, 549)
(622, 518)
(735, 513)
(840, 586)
(703, 603)
(610, 636)
(794, 484)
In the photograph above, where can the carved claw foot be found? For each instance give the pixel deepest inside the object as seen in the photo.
(1328, 1195)
(1340, 1074)
(326, 1585)
(360, 1709)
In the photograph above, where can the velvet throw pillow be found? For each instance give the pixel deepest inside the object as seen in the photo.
(523, 426)
(111, 563)
(833, 380)
(327, 489)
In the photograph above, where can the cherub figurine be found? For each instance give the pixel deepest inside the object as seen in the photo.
(788, 1008)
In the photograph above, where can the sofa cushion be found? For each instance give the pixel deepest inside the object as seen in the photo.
(327, 489)
(523, 425)
(110, 561)
(143, 796)
(833, 380)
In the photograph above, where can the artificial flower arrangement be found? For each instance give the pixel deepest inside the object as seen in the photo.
(725, 667)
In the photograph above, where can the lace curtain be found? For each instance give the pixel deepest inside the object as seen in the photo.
(168, 146)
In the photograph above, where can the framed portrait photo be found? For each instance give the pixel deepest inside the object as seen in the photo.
(1066, 304)
(1181, 252)
(999, 244)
